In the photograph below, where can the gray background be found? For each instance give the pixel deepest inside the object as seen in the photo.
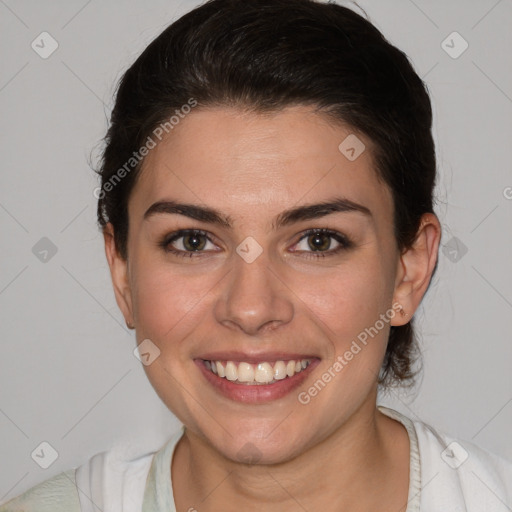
(68, 375)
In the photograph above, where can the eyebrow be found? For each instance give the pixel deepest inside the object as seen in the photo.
(285, 218)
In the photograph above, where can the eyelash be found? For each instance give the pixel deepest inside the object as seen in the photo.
(344, 241)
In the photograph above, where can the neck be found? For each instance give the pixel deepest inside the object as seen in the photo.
(363, 465)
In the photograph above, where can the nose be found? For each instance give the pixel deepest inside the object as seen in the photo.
(253, 298)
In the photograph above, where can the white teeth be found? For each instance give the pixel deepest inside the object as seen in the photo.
(279, 370)
(261, 373)
(220, 369)
(245, 372)
(231, 371)
(264, 373)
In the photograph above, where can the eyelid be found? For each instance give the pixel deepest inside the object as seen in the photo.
(168, 239)
(171, 237)
(343, 240)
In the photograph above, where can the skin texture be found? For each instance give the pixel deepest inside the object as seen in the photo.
(338, 452)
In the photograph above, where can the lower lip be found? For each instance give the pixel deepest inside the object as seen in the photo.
(257, 393)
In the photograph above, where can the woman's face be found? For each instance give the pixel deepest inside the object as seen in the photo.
(254, 287)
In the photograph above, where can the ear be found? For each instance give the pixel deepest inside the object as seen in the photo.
(415, 268)
(119, 273)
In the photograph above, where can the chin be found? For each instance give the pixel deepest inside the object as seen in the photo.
(261, 441)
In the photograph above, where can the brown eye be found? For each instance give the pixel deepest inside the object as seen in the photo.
(319, 241)
(187, 243)
(194, 242)
(323, 242)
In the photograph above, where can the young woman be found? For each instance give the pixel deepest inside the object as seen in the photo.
(266, 202)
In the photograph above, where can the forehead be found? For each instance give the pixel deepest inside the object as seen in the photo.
(235, 161)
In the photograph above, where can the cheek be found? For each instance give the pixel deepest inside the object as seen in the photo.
(348, 305)
(348, 299)
(168, 308)
(166, 305)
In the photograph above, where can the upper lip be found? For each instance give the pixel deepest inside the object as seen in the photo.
(254, 357)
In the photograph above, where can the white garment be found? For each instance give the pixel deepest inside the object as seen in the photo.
(445, 476)
(449, 475)
(109, 483)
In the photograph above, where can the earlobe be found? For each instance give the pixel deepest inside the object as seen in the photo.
(416, 266)
(119, 274)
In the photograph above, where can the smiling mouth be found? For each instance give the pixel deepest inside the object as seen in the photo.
(257, 374)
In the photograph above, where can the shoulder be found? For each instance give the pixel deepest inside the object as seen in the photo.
(113, 480)
(100, 480)
(58, 493)
(458, 472)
